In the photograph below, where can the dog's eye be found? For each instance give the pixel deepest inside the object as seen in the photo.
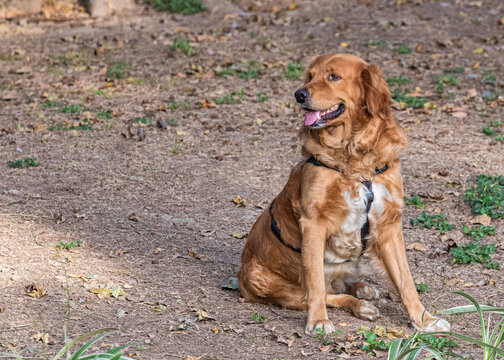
(333, 77)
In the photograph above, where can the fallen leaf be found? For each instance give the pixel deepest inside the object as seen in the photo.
(42, 337)
(478, 51)
(207, 232)
(133, 217)
(193, 357)
(35, 291)
(117, 291)
(102, 293)
(287, 341)
(239, 201)
(344, 44)
(160, 308)
(181, 132)
(482, 220)
(215, 330)
(325, 348)
(231, 284)
(459, 114)
(416, 246)
(193, 253)
(120, 313)
(240, 235)
(204, 316)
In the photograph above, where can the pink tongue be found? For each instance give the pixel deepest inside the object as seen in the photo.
(311, 117)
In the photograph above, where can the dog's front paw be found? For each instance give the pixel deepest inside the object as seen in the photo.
(367, 311)
(433, 325)
(318, 326)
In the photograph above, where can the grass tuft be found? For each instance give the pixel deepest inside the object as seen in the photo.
(186, 7)
(23, 163)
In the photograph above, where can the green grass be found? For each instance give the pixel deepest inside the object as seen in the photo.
(397, 81)
(494, 130)
(183, 45)
(489, 77)
(445, 79)
(257, 317)
(262, 96)
(51, 104)
(105, 115)
(455, 70)
(23, 163)
(252, 71)
(186, 7)
(486, 195)
(293, 71)
(69, 245)
(474, 253)
(73, 109)
(84, 125)
(176, 148)
(478, 232)
(118, 70)
(414, 200)
(234, 97)
(146, 120)
(375, 43)
(439, 222)
(415, 102)
(422, 288)
(182, 106)
(403, 49)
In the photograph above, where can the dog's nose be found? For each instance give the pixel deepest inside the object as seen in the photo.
(302, 95)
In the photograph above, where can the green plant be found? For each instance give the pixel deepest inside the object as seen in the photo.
(486, 195)
(118, 70)
(176, 148)
(173, 121)
(262, 96)
(478, 232)
(230, 98)
(397, 81)
(84, 125)
(225, 72)
(409, 101)
(414, 200)
(51, 104)
(105, 115)
(23, 163)
(489, 77)
(145, 121)
(495, 130)
(403, 49)
(294, 71)
(182, 106)
(252, 71)
(373, 344)
(375, 43)
(439, 222)
(257, 317)
(69, 245)
(183, 45)
(455, 70)
(473, 253)
(186, 7)
(445, 79)
(422, 288)
(73, 109)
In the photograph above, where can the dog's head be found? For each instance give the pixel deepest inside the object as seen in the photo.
(339, 85)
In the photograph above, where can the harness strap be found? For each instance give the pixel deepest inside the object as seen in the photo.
(365, 230)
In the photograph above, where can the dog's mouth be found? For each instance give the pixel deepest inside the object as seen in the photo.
(318, 119)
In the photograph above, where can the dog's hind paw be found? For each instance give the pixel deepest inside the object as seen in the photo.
(435, 325)
(366, 291)
(367, 311)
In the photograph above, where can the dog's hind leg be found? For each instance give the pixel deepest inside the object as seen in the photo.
(361, 308)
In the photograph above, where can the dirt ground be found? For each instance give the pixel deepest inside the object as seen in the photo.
(155, 214)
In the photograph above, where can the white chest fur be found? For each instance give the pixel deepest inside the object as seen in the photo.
(346, 244)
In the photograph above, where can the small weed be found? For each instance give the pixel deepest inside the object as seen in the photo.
(373, 344)
(416, 102)
(105, 115)
(146, 121)
(182, 106)
(414, 200)
(23, 163)
(397, 81)
(322, 336)
(176, 148)
(495, 130)
(256, 137)
(252, 71)
(403, 49)
(84, 125)
(183, 45)
(141, 347)
(439, 222)
(455, 70)
(230, 98)
(473, 253)
(436, 342)
(118, 70)
(478, 232)
(69, 245)
(257, 317)
(120, 187)
(172, 121)
(422, 288)
(225, 72)
(294, 71)
(73, 109)
(186, 7)
(262, 96)
(51, 104)
(445, 79)
(375, 43)
(486, 195)
(489, 77)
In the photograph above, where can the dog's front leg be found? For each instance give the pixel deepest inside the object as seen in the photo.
(312, 258)
(390, 250)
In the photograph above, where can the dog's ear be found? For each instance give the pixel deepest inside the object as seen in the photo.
(376, 92)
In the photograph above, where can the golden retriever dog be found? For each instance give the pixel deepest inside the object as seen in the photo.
(341, 203)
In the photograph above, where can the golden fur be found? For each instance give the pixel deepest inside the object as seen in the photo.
(320, 210)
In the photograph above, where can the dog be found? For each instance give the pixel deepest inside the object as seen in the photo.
(341, 202)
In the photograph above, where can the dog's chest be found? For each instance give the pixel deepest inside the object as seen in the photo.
(345, 243)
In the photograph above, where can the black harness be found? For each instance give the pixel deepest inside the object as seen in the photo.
(369, 194)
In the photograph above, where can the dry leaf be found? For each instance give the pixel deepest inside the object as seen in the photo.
(239, 201)
(482, 220)
(35, 291)
(193, 357)
(193, 253)
(416, 246)
(203, 315)
(325, 348)
(43, 337)
(101, 293)
(459, 114)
